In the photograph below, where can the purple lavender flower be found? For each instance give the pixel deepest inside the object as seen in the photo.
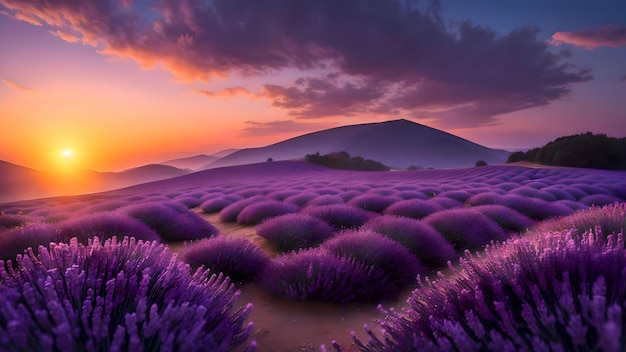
(560, 291)
(373, 202)
(422, 240)
(340, 216)
(294, 231)
(171, 221)
(105, 225)
(216, 204)
(413, 208)
(236, 257)
(398, 265)
(318, 275)
(15, 241)
(124, 295)
(465, 228)
(257, 212)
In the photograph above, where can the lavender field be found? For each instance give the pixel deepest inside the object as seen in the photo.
(490, 258)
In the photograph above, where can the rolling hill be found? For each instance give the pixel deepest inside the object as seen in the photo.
(397, 144)
(19, 183)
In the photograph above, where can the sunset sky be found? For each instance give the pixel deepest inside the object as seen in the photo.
(108, 85)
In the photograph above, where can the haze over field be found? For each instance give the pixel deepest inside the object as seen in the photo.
(111, 85)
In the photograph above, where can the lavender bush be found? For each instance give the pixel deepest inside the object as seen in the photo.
(326, 199)
(373, 202)
(506, 218)
(230, 213)
(318, 275)
(599, 200)
(550, 292)
(413, 208)
(236, 257)
(294, 231)
(116, 296)
(301, 198)
(465, 228)
(398, 265)
(340, 216)
(422, 240)
(610, 219)
(534, 208)
(105, 225)
(171, 221)
(258, 212)
(9, 221)
(15, 241)
(214, 205)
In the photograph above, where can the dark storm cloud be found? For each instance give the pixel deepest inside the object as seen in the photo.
(610, 35)
(387, 56)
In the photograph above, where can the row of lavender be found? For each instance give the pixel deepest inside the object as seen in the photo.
(433, 216)
(560, 288)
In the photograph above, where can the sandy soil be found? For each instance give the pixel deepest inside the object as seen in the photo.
(290, 326)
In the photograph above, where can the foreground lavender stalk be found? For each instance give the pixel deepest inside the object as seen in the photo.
(549, 292)
(116, 296)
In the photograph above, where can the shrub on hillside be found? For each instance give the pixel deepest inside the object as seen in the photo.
(342, 160)
(117, 296)
(422, 240)
(301, 198)
(294, 231)
(582, 150)
(171, 221)
(236, 257)
(258, 212)
(465, 228)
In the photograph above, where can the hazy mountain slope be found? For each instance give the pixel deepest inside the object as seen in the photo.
(18, 182)
(398, 144)
(192, 163)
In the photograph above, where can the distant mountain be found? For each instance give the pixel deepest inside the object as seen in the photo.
(397, 144)
(19, 183)
(225, 152)
(191, 163)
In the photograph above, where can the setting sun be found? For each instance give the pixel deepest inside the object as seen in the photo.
(67, 153)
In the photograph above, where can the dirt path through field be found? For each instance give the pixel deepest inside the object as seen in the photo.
(291, 326)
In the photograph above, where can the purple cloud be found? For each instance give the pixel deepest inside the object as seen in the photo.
(386, 56)
(610, 35)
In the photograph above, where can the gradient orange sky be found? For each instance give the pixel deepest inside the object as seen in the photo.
(65, 87)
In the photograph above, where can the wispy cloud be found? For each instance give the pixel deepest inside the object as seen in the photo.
(382, 56)
(610, 35)
(225, 92)
(255, 128)
(17, 87)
